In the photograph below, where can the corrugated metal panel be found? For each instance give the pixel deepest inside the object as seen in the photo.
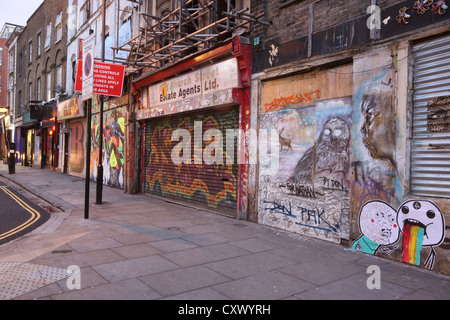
(213, 186)
(430, 159)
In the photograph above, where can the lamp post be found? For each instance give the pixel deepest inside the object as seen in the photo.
(99, 196)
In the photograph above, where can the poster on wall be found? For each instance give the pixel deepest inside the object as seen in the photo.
(310, 195)
(113, 141)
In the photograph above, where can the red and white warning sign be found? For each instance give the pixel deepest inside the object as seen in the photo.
(107, 78)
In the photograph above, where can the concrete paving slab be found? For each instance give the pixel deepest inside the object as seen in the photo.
(195, 256)
(183, 280)
(248, 265)
(133, 268)
(203, 294)
(130, 289)
(137, 251)
(322, 272)
(254, 245)
(355, 288)
(270, 285)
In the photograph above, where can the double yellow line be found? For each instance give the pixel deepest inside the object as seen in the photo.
(35, 215)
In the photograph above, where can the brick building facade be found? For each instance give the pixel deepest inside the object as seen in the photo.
(41, 78)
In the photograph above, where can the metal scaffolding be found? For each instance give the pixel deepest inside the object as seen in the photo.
(194, 26)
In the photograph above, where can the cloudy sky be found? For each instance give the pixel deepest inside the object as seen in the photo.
(17, 11)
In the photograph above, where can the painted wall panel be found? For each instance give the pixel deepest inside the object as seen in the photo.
(310, 193)
(77, 146)
(114, 156)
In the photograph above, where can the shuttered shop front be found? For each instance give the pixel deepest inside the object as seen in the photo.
(196, 181)
(430, 163)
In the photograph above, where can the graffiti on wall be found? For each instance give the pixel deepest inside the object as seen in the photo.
(374, 138)
(278, 104)
(420, 223)
(379, 228)
(113, 155)
(210, 184)
(310, 195)
(377, 108)
(77, 154)
(407, 230)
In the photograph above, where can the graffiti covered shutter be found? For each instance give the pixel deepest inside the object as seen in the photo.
(430, 160)
(197, 182)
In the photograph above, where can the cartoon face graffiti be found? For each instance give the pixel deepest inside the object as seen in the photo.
(422, 224)
(425, 215)
(379, 228)
(378, 222)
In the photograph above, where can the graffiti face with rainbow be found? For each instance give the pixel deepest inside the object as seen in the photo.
(422, 225)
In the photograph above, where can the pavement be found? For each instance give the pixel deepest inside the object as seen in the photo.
(136, 247)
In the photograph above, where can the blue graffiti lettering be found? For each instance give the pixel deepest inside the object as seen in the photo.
(280, 208)
(318, 216)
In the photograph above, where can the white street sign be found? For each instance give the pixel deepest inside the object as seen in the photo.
(88, 66)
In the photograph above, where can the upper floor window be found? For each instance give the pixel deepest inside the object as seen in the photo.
(58, 26)
(30, 91)
(48, 35)
(20, 64)
(59, 76)
(39, 44)
(49, 86)
(11, 62)
(38, 89)
(85, 12)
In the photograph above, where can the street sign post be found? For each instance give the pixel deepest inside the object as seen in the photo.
(88, 67)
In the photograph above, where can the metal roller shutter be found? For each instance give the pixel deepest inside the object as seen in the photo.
(213, 186)
(430, 161)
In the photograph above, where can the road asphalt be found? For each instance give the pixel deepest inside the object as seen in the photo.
(18, 215)
(136, 247)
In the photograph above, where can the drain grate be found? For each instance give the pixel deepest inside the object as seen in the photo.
(17, 279)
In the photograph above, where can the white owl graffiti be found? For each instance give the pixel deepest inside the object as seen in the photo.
(328, 156)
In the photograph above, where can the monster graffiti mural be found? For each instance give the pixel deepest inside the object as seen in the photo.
(310, 193)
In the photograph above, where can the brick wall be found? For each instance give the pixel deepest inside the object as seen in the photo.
(48, 60)
(335, 25)
(290, 19)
